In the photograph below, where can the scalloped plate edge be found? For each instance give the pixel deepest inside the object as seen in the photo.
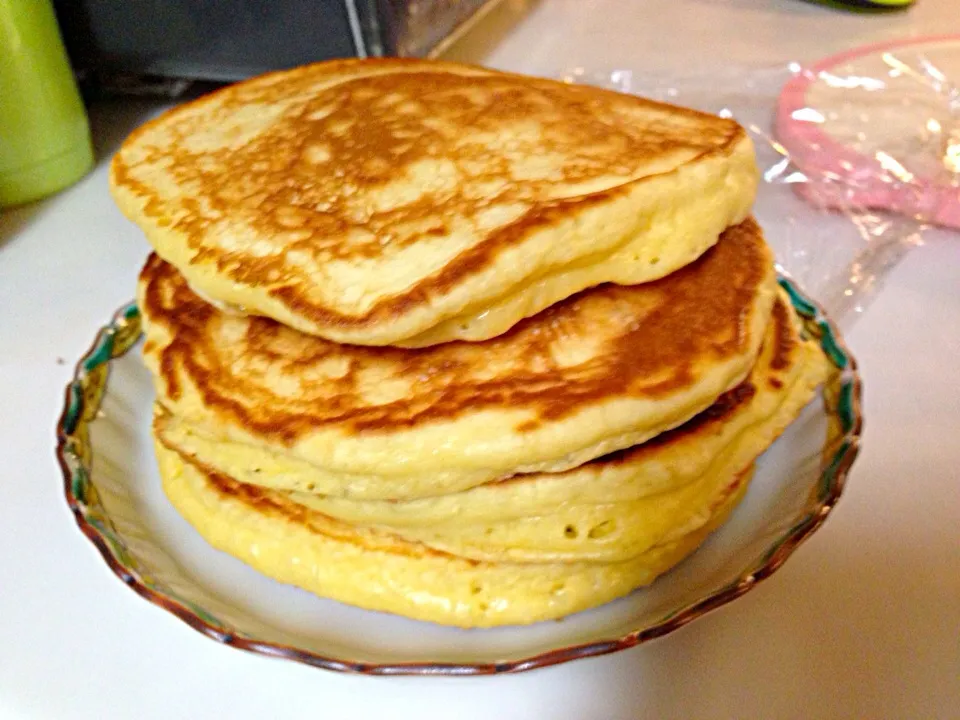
(74, 453)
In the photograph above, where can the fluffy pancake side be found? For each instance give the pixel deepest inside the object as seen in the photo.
(618, 489)
(606, 369)
(395, 201)
(614, 531)
(375, 570)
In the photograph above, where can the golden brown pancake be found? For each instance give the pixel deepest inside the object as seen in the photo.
(380, 571)
(411, 202)
(604, 370)
(613, 530)
(617, 506)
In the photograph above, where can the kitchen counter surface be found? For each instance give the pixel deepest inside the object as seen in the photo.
(864, 621)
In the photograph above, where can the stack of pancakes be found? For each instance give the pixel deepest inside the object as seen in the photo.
(460, 345)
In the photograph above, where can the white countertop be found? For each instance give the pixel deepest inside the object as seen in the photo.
(864, 621)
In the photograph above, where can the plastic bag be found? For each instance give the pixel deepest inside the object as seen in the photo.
(852, 174)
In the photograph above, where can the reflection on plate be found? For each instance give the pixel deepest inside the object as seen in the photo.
(113, 488)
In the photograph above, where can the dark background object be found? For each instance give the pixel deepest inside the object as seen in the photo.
(131, 43)
(866, 6)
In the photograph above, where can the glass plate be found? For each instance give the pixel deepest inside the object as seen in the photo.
(113, 488)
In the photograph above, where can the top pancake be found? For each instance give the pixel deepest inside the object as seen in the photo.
(606, 369)
(412, 202)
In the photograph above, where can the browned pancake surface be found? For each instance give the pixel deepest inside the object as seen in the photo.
(637, 342)
(313, 180)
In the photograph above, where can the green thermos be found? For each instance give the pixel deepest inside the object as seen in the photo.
(44, 136)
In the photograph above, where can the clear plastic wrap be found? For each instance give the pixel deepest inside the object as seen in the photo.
(859, 153)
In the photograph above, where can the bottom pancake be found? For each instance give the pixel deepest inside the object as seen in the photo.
(377, 570)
